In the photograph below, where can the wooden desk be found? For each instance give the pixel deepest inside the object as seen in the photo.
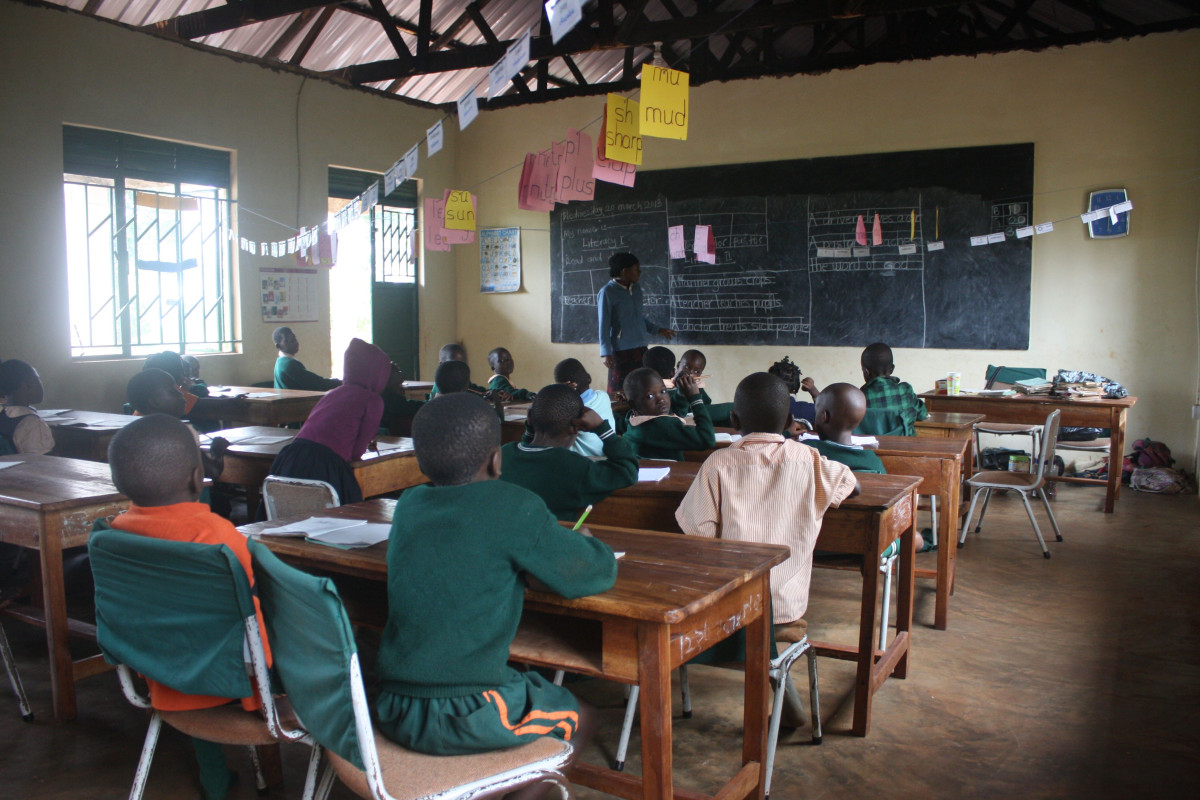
(1033, 410)
(248, 462)
(863, 526)
(48, 504)
(939, 463)
(233, 405)
(513, 427)
(948, 425)
(417, 390)
(673, 599)
(85, 434)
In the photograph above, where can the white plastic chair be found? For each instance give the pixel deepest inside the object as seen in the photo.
(297, 497)
(1025, 483)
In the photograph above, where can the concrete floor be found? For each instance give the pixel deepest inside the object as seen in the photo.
(1068, 678)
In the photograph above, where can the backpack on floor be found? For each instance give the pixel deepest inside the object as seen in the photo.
(1146, 454)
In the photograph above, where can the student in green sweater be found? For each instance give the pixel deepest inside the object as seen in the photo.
(501, 362)
(695, 362)
(453, 352)
(453, 377)
(840, 408)
(289, 372)
(653, 430)
(545, 465)
(461, 551)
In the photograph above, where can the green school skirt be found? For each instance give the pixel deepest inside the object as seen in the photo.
(524, 709)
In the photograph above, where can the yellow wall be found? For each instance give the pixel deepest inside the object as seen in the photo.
(61, 68)
(1125, 114)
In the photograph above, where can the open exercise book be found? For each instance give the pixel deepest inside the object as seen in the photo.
(335, 532)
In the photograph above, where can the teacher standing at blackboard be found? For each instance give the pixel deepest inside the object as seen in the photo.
(624, 327)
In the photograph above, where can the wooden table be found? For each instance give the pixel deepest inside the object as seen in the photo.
(248, 461)
(951, 425)
(939, 463)
(1033, 410)
(417, 390)
(863, 526)
(673, 598)
(247, 405)
(48, 504)
(85, 434)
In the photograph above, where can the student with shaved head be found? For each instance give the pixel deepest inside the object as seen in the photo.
(289, 372)
(155, 462)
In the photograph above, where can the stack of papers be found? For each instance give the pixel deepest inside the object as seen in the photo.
(652, 474)
(334, 531)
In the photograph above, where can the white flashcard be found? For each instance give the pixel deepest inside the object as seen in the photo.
(906, 249)
(1025, 233)
(935, 246)
(498, 77)
(1043, 227)
(468, 109)
(518, 54)
(563, 15)
(371, 195)
(996, 238)
(1121, 208)
(433, 139)
(410, 161)
(1092, 216)
(825, 252)
(978, 241)
(860, 252)
(841, 252)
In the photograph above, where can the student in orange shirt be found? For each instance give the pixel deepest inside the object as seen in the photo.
(155, 462)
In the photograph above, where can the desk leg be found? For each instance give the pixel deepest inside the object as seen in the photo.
(904, 594)
(755, 704)
(948, 524)
(654, 678)
(868, 628)
(54, 605)
(1116, 459)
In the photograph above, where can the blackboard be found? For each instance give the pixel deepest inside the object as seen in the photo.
(783, 274)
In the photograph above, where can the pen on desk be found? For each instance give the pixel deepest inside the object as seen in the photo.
(582, 517)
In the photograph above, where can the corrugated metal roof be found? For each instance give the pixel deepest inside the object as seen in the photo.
(351, 37)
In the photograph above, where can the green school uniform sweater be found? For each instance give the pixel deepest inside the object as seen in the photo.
(667, 436)
(474, 387)
(856, 458)
(291, 374)
(718, 412)
(456, 557)
(566, 480)
(499, 382)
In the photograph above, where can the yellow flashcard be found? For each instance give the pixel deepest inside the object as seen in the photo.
(622, 141)
(460, 210)
(664, 103)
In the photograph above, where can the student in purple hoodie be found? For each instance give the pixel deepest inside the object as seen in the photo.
(341, 426)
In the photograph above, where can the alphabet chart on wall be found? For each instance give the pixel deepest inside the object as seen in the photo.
(499, 260)
(288, 295)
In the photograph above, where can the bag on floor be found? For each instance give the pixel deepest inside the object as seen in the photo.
(1158, 480)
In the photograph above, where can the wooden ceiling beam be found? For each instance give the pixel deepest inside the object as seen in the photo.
(229, 16)
(311, 37)
(288, 36)
(384, 17)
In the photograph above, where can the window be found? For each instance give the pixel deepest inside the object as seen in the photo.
(149, 256)
(393, 224)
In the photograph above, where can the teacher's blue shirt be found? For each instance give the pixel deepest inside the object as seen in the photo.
(623, 323)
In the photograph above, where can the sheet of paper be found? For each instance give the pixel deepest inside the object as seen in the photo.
(1044, 227)
(935, 246)
(7, 464)
(978, 241)
(860, 230)
(575, 180)
(264, 440)
(435, 238)
(1092, 216)
(1121, 208)
(1025, 233)
(434, 137)
(403, 444)
(468, 109)
(906, 249)
(563, 15)
(622, 130)
(728, 437)
(531, 189)
(315, 526)
(460, 210)
(363, 535)
(652, 474)
(664, 98)
(806, 435)
(864, 441)
(996, 238)
(411, 161)
(607, 169)
(49, 413)
(517, 55)
(877, 231)
(498, 78)
(860, 252)
(675, 241)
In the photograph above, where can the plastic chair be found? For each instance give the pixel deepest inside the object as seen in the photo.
(14, 678)
(1026, 483)
(297, 497)
(182, 614)
(317, 663)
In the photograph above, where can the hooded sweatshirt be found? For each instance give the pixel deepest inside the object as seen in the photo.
(347, 418)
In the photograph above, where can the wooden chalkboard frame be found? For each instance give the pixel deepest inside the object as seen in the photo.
(782, 229)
